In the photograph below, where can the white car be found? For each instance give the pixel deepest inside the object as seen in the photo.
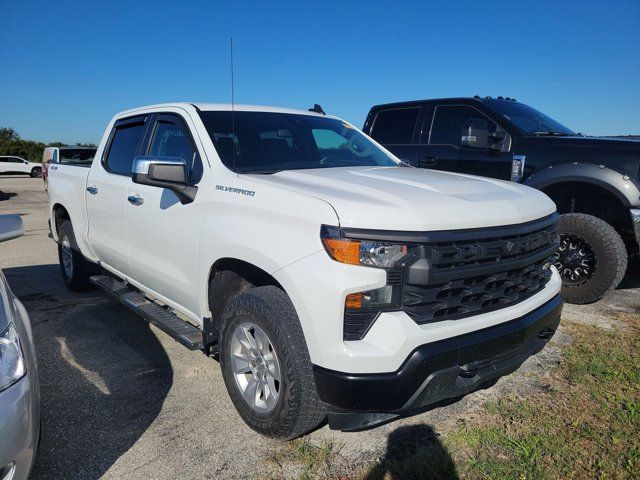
(12, 164)
(328, 277)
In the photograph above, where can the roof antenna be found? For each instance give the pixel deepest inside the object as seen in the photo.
(233, 115)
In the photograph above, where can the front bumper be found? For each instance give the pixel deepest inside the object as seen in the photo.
(436, 371)
(19, 427)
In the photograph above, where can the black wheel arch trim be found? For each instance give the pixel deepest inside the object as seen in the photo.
(621, 186)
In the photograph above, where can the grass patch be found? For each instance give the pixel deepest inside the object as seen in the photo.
(585, 425)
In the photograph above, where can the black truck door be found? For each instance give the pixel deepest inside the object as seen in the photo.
(478, 142)
(395, 128)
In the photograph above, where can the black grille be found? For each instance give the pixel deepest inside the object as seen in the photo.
(474, 295)
(451, 280)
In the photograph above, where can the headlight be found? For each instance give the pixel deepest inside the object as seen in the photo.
(362, 308)
(361, 252)
(12, 367)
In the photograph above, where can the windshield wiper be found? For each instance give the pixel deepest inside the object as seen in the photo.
(551, 133)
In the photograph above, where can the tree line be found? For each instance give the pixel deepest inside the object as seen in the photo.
(12, 144)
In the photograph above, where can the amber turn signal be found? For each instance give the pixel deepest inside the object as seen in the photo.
(353, 300)
(343, 250)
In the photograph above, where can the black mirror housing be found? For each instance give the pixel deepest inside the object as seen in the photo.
(164, 172)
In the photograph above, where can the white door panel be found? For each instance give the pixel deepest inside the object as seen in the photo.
(107, 217)
(163, 233)
(107, 189)
(163, 244)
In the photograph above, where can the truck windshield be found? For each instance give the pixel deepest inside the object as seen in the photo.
(529, 120)
(79, 155)
(270, 142)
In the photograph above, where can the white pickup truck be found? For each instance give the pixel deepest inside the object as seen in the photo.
(327, 276)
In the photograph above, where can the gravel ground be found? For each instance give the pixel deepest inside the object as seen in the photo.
(121, 399)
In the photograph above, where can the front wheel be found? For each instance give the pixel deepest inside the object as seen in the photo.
(266, 366)
(36, 172)
(592, 257)
(76, 270)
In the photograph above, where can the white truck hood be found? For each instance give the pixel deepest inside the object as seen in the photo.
(412, 199)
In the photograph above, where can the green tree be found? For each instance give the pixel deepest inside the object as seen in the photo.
(12, 144)
(8, 134)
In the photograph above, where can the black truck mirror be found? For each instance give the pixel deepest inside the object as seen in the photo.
(475, 134)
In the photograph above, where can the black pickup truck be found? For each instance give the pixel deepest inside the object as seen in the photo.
(594, 181)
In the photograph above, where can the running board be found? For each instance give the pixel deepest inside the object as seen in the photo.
(182, 331)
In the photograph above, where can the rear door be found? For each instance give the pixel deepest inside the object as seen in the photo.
(107, 188)
(446, 132)
(395, 128)
(162, 232)
(434, 155)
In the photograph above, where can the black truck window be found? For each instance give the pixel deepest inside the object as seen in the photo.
(448, 122)
(395, 127)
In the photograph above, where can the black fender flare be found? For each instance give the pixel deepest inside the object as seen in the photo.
(619, 184)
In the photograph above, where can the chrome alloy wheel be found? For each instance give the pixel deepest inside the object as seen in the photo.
(255, 367)
(575, 260)
(67, 256)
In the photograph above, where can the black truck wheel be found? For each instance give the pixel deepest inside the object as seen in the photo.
(592, 257)
(76, 270)
(36, 172)
(266, 366)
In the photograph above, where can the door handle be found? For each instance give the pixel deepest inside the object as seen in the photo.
(92, 189)
(428, 161)
(135, 200)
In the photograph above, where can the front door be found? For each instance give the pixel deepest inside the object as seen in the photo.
(447, 132)
(106, 193)
(163, 233)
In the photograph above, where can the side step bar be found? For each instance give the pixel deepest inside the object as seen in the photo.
(182, 331)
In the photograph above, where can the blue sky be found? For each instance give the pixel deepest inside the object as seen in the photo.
(67, 67)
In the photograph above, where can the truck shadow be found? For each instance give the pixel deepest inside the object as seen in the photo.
(103, 374)
(414, 452)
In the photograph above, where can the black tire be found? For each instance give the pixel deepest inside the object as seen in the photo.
(36, 172)
(298, 408)
(77, 277)
(609, 251)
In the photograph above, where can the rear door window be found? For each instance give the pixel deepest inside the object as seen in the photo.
(124, 146)
(396, 126)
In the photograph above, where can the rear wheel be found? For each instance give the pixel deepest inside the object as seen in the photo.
(266, 366)
(76, 270)
(36, 172)
(592, 257)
